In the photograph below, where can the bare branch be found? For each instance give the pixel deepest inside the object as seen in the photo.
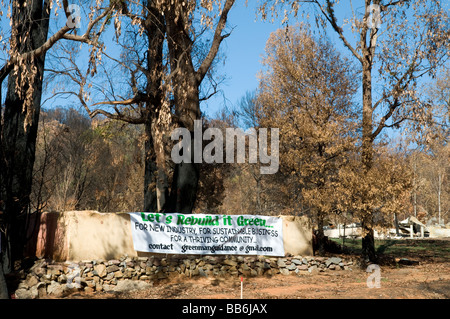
(218, 38)
(329, 15)
(34, 53)
(86, 37)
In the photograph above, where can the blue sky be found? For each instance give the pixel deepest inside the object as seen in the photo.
(243, 50)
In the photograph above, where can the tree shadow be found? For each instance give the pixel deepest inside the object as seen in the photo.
(382, 248)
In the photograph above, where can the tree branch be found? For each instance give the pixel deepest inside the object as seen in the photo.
(383, 120)
(218, 38)
(86, 37)
(61, 34)
(34, 53)
(333, 21)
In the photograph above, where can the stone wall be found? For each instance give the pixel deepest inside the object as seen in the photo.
(129, 273)
(92, 251)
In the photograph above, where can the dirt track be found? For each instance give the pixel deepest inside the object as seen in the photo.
(427, 278)
(423, 281)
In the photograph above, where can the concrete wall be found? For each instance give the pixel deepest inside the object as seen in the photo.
(338, 232)
(438, 232)
(90, 235)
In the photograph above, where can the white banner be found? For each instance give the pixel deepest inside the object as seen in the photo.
(201, 234)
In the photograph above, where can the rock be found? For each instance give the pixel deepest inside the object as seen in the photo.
(101, 270)
(284, 271)
(55, 289)
(245, 267)
(109, 276)
(332, 266)
(107, 288)
(245, 272)
(291, 267)
(62, 279)
(157, 262)
(40, 290)
(131, 285)
(333, 260)
(302, 267)
(98, 287)
(161, 275)
(22, 285)
(112, 268)
(53, 272)
(59, 268)
(313, 270)
(281, 262)
(89, 289)
(90, 283)
(39, 271)
(195, 272)
(41, 263)
(230, 262)
(23, 294)
(296, 261)
(31, 280)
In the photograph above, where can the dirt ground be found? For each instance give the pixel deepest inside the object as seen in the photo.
(427, 280)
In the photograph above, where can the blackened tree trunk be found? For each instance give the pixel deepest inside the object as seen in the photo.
(3, 287)
(184, 186)
(368, 243)
(320, 236)
(155, 30)
(186, 81)
(397, 231)
(150, 198)
(368, 240)
(187, 108)
(30, 21)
